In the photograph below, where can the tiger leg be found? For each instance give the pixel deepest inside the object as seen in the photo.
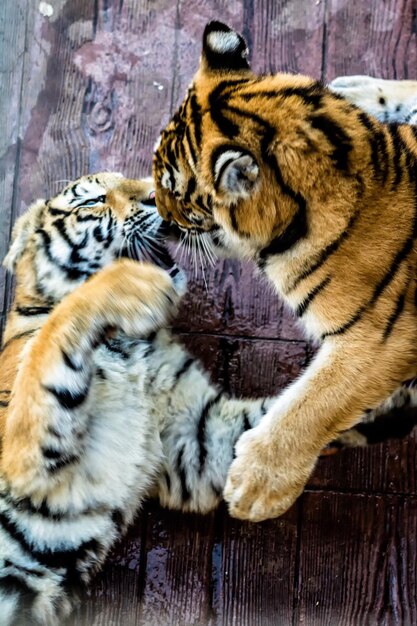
(275, 459)
(200, 426)
(387, 100)
(49, 407)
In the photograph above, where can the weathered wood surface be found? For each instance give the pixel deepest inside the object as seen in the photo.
(88, 88)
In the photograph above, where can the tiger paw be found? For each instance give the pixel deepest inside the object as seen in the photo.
(263, 482)
(137, 298)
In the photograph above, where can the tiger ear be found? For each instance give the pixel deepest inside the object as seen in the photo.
(223, 48)
(235, 172)
(22, 232)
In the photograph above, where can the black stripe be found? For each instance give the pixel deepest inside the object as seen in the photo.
(167, 481)
(68, 399)
(88, 217)
(16, 535)
(4, 403)
(327, 252)
(201, 429)
(246, 425)
(72, 273)
(57, 212)
(185, 367)
(118, 520)
(233, 219)
(191, 187)
(59, 460)
(68, 559)
(16, 585)
(383, 284)
(70, 363)
(377, 141)
(61, 228)
(190, 144)
(25, 505)
(397, 146)
(303, 306)
(297, 229)
(342, 329)
(24, 570)
(217, 103)
(311, 95)
(398, 259)
(196, 119)
(220, 173)
(114, 346)
(185, 493)
(51, 453)
(337, 137)
(33, 310)
(26, 333)
(399, 306)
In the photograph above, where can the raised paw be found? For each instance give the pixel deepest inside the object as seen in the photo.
(137, 298)
(263, 482)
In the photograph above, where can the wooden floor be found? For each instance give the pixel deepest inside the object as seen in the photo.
(86, 85)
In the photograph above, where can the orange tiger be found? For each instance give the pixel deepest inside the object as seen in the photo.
(322, 196)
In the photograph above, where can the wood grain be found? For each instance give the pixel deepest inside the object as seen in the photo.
(13, 22)
(357, 561)
(177, 570)
(371, 38)
(253, 571)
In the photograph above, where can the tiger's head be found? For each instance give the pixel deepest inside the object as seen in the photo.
(58, 243)
(243, 152)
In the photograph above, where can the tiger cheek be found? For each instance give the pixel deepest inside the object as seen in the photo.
(162, 205)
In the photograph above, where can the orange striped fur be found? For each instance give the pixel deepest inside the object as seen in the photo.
(323, 197)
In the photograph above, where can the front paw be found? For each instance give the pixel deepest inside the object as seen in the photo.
(137, 298)
(264, 480)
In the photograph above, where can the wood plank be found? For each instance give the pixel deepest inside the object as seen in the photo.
(363, 39)
(178, 569)
(249, 367)
(389, 468)
(253, 572)
(357, 561)
(287, 36)
(236, 300)
(13, 23)
(99, 98)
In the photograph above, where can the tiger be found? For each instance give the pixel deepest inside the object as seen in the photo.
(100, 406)
(284, 171)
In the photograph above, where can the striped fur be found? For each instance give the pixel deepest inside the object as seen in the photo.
(323, 197)
(99, 408)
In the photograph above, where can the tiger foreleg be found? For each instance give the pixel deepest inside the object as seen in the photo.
(48, 412)
(275, 459)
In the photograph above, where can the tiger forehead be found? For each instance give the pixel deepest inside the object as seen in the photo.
(108, 184)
